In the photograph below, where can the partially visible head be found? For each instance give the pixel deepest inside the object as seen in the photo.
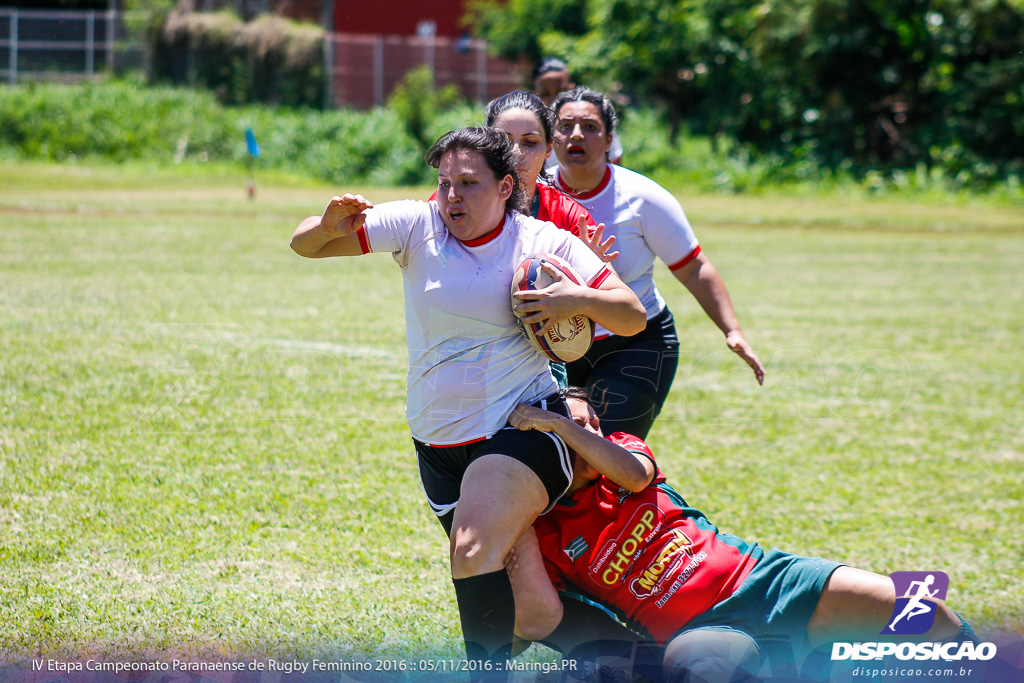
(582, 414)
(527, 122)
(477, 179)
(550, 78)
(524, 101)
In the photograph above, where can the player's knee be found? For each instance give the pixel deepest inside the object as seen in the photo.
(464, 550)
(470, 555)
(712, 669)
(711, 656)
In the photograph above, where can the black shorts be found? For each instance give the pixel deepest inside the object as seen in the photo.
(442, 467)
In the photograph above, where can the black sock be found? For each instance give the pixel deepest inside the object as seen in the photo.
(487, 609)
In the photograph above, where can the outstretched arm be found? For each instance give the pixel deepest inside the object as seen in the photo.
(333, 233)
(706, 286)
(634, 472)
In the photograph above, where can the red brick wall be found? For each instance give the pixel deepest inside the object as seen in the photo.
(397, 17)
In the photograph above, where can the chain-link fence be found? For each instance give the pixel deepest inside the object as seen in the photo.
(65, 45)
(361, 70)
(364, 69)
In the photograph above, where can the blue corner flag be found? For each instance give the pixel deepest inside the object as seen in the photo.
(250, 142)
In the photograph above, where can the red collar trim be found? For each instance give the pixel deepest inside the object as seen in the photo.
(589, 193)
(484, 239)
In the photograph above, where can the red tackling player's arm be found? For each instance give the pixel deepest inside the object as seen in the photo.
(629, 470)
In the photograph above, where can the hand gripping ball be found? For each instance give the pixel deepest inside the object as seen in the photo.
(567, 340)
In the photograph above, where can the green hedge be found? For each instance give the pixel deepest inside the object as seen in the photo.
(123, 120)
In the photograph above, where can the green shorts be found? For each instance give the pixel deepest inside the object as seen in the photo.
(776, 600)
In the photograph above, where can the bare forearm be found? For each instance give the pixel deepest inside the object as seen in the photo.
(707, 287)
(616, 308)
(335, 232)
(310, 241)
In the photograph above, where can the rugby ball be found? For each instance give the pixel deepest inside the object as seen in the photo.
(567, 340)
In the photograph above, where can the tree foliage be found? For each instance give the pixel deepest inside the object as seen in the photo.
(514, 29)
(867, 83)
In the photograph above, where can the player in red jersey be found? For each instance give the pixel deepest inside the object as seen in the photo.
(623, 537)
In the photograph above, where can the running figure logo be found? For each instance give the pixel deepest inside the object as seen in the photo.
(916, 595)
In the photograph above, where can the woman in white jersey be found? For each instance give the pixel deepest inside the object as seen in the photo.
(468, 363)
(628, 378)
(551, 77)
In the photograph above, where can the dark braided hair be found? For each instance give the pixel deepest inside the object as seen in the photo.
(549, 65)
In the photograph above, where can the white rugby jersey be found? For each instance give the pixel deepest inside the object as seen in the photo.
(647, 222)
(469, 365)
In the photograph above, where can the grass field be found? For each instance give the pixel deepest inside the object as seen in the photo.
(203, 450)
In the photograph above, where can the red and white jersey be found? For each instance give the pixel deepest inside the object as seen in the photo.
(655, 560)
(469, 365)
(647, 223)
(553, 205)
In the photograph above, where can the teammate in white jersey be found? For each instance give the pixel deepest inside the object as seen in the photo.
(551, 77)
(628, 378)
(469, 365)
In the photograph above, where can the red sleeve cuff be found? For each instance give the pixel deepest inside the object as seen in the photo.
(689, 257)
(601, 277)
(364, 242)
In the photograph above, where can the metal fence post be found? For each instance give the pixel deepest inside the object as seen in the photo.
(481, 72)
(328, 70)
(430, 59)
(90, 42)
(12, 68)
(378, 71)
(110, 39)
